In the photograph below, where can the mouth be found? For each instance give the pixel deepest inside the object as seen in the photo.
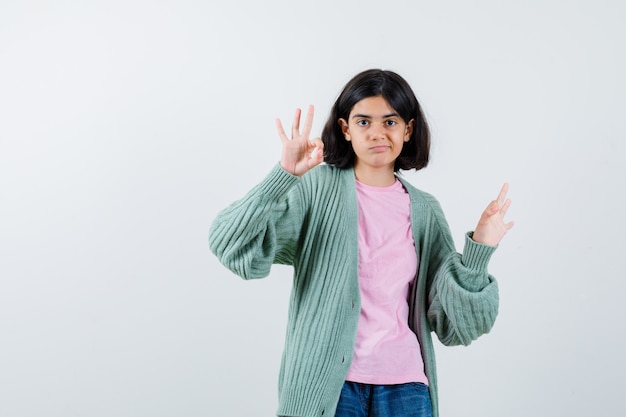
(380, 148)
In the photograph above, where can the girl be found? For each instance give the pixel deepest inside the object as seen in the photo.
(375, 268)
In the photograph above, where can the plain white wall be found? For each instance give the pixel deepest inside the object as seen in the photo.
(125, 126)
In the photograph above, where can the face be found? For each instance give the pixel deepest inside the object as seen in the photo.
(377, 133)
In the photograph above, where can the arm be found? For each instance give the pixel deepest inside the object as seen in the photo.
(260, 229)
(264, 227)
(463, 296)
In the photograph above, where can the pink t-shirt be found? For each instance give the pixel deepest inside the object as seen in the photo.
(386, 350)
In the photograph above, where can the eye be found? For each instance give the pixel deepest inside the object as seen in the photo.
(391, 122)
(362, 122)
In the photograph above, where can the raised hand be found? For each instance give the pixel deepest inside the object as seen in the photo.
(491, 227)
(300, 154)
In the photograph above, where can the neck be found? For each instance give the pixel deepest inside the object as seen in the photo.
(379, 177)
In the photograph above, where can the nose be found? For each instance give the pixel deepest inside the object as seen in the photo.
(377, 131)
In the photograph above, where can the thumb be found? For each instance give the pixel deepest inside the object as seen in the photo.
(492, 208)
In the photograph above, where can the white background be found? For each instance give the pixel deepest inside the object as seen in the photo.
(125, 126)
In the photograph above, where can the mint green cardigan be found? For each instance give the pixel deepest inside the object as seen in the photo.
(310, 222)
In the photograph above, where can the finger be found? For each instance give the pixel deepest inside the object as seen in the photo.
(308, 122)
(490, 210)
(317, 142)
(502, 194)
(318, 150)
(295, 126)
(505, 206)
(494, 207)
(281, 131)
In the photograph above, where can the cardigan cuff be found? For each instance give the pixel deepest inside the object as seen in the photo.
(277, 183)
(476, 255)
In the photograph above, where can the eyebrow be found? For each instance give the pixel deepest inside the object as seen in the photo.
(386, 116)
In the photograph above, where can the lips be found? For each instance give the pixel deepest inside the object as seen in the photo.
(380, 148)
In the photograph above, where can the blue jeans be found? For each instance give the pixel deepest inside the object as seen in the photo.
(402, 400)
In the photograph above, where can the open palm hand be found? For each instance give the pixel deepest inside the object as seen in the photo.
(491, 227)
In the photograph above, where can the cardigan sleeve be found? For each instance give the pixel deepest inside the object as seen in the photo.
(462, 296)
(260, 229)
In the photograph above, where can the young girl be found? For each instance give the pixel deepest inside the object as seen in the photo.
(375, 268)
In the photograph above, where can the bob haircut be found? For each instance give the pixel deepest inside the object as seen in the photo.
(393, 88)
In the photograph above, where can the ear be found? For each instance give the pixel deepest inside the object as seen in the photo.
(344, 128)
(408, 131)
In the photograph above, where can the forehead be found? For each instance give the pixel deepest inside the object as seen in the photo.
(375, 106)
